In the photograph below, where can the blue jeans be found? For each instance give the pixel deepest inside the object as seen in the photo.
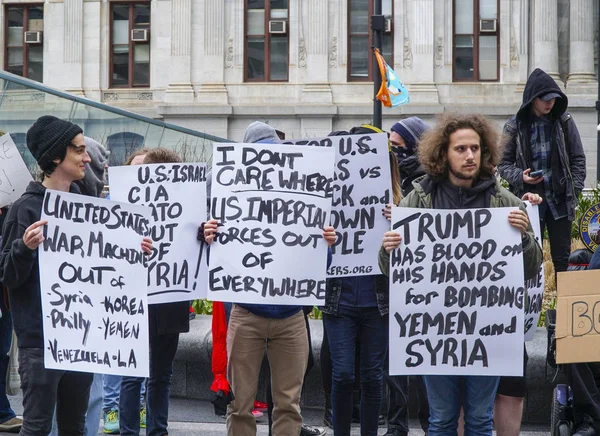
(447, 393)
(371, 329)
(6, 412)
(112, 391)
(162, 353)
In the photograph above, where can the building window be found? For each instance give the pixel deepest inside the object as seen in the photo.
(267, 42)
(24, 53)
(476, 40)
(130, 45)
(360, 38)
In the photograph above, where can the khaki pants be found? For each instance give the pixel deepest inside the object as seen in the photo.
(286, 343)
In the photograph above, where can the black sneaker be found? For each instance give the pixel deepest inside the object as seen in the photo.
(585, 429)
(308, 430)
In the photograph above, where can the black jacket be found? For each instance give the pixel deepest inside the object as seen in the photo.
(568, 173)
(19, 269)
(410, 170)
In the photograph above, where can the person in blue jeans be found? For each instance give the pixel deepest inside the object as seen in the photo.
(8, 419)
(459, 156)
(112, 391)
(165, 322)
(357, 308)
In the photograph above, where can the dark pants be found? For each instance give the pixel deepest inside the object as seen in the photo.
(398, 386)
(584, 379)
(310, 363)
(371, 329)
(162, 353)
(327, 369)
(559, 235)
(43, 389)
(6, 411)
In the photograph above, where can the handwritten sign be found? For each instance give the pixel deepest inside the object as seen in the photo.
(578, 317)
(456, 293)
(94, 297)
(14, 174)
(176, 194)
(273, 202)
(535, 286)
(361, 189)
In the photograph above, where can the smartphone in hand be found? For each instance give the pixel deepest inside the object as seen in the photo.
(536, 174)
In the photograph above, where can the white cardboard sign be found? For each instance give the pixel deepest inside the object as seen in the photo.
(176, 195)
(456, 293)
(14, 174)
(361, 189)
(94, 296)
(272, 202)
(535, 287)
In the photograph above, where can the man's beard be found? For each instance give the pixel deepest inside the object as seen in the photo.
(462, 176)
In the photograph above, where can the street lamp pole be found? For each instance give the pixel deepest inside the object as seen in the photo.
(377, 26)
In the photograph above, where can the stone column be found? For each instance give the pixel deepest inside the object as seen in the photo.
(317, 89)
(545, 36)
(212, 89)
(180, 79)
(73, 45)
(581, 47)
(420, 52)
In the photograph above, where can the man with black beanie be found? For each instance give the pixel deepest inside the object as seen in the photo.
(59, 149)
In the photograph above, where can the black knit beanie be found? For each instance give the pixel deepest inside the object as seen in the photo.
(49, 138)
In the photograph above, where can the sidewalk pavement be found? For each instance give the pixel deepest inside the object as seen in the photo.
(194, 417)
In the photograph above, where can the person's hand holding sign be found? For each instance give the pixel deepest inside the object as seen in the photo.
(207, 231)
(33, 235)
(329, 235)
(519, 220)
(391, 241)
(147, 245)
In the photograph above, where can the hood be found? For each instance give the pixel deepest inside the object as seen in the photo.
(538, 84)
(258, 132)
(35, 188)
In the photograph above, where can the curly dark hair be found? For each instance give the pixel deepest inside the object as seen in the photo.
(433, 146)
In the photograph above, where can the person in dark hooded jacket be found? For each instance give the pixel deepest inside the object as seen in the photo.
(404, 139)
(543, 138)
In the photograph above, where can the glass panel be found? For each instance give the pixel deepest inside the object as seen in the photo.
(279, 58)
(359, 56)
(256, 57)
(15, 27)
(36, 19)
(15, 60)
(488, 9)
(359, 16)
(141, 16)
(35, 62)
(141, 71)
(121, 25)
(464, 16)
(120, 66)
(279, 4)
(141, 53)
(386, 49)
(256, 4)
(386, 8)
(279, 14)
(463, 57)
(256, 22)
(488, 58)
(190, 148)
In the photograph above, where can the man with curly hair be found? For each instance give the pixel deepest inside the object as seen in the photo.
(459, 157)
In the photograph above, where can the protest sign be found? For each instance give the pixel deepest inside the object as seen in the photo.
(14, 174)
(535, 286)
(456, 293)
(272, 202)
(176, 195)
(361, 189)
(578, 317)
(94, 295)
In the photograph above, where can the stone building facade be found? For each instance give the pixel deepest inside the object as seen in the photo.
(217, 65)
